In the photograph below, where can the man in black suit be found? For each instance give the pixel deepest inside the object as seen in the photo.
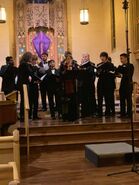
(87, 87)
(8, 73)
(43, 86)
(125, 72)
(33, 89)
(53, 89)
(105, 85)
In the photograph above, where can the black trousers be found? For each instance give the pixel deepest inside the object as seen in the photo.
(125, 100)
(22, 101)
(33, 100)
(43, 90)
(70, 107)
(54, 99)
(112, 101)
(88, 100)
(106, 93)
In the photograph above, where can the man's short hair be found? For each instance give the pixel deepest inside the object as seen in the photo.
(44, 53)
(109, 59)
(8, 59)
(104, 54)
(124, 55)
(50, 61)
(67, 53)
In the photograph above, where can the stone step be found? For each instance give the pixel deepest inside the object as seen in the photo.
(56, 146)
(78, 127)
(75, 137)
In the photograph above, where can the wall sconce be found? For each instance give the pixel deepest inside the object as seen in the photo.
(84, 16)
(2, 15)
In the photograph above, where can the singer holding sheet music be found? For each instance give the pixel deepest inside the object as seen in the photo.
(24, 77)
(53, 89)
(33, 90)
(86, 85)
(105, 85)
(43, 86)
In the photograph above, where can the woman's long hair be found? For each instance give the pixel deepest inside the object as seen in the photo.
(27, 57)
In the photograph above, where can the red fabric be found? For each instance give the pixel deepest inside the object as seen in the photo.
(69, 87)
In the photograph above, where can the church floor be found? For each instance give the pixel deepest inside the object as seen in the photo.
(70, 168)
(47, 121)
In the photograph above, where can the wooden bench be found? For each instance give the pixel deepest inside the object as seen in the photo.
(10, 150)
(8, 112)
(9, 174)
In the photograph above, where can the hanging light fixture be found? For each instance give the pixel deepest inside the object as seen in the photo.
(84, 14)
(2, 15)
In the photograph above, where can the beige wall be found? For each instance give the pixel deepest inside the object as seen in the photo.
(92, 38)
(96, 36)
(89, 38)
(120, 30)
(6, 32)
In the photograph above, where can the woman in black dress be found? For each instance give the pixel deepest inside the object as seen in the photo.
(24, 77)
(69, 84)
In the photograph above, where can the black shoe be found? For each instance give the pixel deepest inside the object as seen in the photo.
(21, 119)
(53, 117)
(112, 114)
(44, 109)
(122, 116)
(128, 116)
(99, 115)
(59, 116)
(30, 117)
(82, 116)
(37, 118)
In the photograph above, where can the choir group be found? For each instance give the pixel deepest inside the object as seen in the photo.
(70, 88)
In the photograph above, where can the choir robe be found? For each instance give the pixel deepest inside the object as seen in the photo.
(69, 95)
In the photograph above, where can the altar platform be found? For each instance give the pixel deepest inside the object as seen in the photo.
(48, 134)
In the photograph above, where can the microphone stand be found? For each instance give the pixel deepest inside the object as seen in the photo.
(134, 167)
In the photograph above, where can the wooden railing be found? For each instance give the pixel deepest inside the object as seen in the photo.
(10, 150)
(26, 117)
(2, 96)
(10, 168)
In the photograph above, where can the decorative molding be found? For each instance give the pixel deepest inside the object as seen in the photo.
(135, 27)
(20, 28)
(49, 18)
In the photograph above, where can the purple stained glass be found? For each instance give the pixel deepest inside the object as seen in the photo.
(41, 43)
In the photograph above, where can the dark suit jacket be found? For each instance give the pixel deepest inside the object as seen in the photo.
(8, 74)
(53, 80)
(106, 75)
(127, 71)
(24, 71)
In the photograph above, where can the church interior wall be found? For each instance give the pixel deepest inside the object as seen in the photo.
(7, 32)
(92, 38)
(96, 36)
